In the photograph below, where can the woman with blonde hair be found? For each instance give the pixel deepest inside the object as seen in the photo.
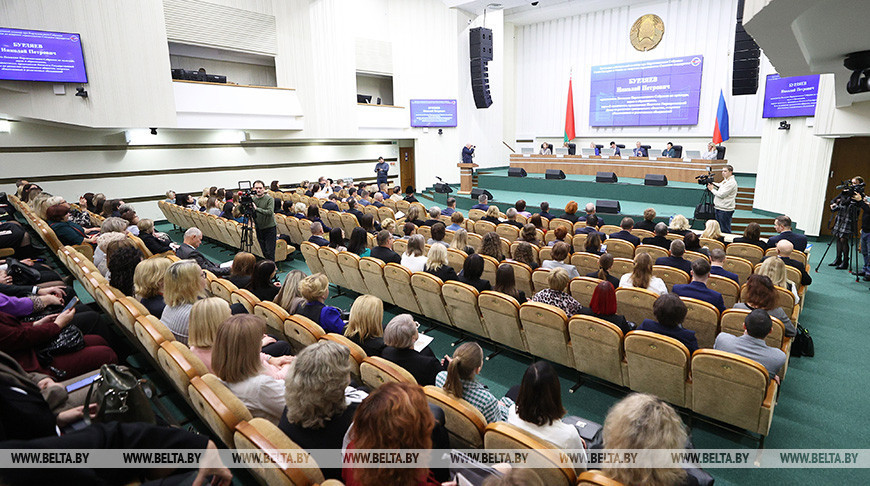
(289, 297)
(183, 283)
(557, 295)
(414, 216)
(437, 264)
(458, 380)
(679, 225)
(235, 358)
(365, 326)
(641, 277)
(389, 224)
(492, 215)
(460, 241)
(242, 269)
(712, 231)
(641, 421)
(315, 290)
(414, 258)
(148, 284)
(155, 244)
(774, 268)
(206, 318)
(320, 403)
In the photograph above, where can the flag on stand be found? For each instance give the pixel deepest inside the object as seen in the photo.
(569, 115)
(720, 131)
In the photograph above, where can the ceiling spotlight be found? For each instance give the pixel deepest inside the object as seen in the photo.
(153, 131)
(859, 64)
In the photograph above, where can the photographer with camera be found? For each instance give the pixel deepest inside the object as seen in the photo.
(846, 205)
(264, 218)
(724, 197)
(467, 154)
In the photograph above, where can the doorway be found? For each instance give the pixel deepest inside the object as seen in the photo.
(406, 167)
(849, 159)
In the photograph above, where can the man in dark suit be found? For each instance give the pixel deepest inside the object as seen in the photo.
(648, 223)
(481, 203)
(782, 224)
(615, 148)
(783, 251)
(332, 203)
(639, 151)
(188, 250)
(676, 260)
(717, 260)
(378, 200)
(384, 251)
(451, 207)
(670, 312)
(591, 228)
(317, 235)
(697, 289)
(659, 239)
(467, 154)
(511, 214)
(545, 210)
(351, 208)
(434, 214)
(625, 234)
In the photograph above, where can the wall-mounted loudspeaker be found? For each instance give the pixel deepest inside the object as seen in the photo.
(516, 172)
(606, 206)
(554, 174)
(655, 180)
(605, 177)
(476, 192)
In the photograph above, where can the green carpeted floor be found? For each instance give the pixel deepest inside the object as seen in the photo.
(822, 403)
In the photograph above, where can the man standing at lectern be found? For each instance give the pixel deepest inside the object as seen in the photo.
(467, 154)
(724, 198)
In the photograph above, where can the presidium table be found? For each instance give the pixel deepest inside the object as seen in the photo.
(633, 167)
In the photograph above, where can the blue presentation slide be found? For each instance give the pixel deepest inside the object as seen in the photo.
(646, 93)
(793, 96)
(433, 113)
(34, 55)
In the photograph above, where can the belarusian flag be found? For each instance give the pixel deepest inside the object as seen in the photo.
(569, 115)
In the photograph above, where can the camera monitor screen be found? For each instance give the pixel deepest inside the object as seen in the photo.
(245, 185)
(35, 55)
(433, 113)
(792, 96)
(656, 92)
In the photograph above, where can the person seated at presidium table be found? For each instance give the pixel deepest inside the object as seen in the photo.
(669, 151)
(546, 149)
(639, 151)
(670, 311)
(615, 148)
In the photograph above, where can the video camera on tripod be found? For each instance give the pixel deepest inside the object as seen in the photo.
(246, 201)
(705, 179)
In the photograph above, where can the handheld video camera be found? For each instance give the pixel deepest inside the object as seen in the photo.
(705, 179)
(850, 189)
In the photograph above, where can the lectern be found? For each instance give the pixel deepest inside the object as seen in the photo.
(465, 177)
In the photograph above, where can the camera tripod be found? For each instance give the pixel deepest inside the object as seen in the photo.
(852, 239)
(247, 240)
(705, 209)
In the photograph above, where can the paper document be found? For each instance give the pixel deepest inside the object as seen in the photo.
(422, 341)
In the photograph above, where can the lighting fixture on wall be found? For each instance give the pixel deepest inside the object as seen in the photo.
(784, 125)
(80, 91)
(5, 126)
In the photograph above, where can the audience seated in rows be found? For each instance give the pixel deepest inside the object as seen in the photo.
(511, 215)
(524, 253)
(112, 229)
(570, 213)
(261, 280)
(121, 259)
(320, 402)
(438, 232)
(414, 258)
(676, 260)
(627, 224)
(451, 207)
(456, 220)
(592, 244)
(365, 327)
(399, 337)
(459, 381)
(317, 234)
(148, 281)
(289, 297)
(315, 290)
(603, 306)
(670, 311)
(69, 232)
(520, 207)
(188, 250)
(434, 215)
(557, 295)
(751, 344)
(529, 234)
(605, 262)
(717, 260)
(358, 243)
(492, 215)
(460, 241)
(591, 228)
(641, 276)
(561, 250)
(697, 288)
(559, 235)
(490, 245)
(692, 242)
(782, 224)
(545, 210)
(155, 244)
(713, 231)
(437, 264)
(414, 215)
(761, 294)
(384, 249)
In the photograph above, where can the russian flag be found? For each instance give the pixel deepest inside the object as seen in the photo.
(720, 131)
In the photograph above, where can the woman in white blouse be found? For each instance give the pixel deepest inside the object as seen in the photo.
(413, 259)
(642, 277)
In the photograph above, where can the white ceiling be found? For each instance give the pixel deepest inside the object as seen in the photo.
(523, 12)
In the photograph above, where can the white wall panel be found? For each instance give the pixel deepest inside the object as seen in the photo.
(203, 23)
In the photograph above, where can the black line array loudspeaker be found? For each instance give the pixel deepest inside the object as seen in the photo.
(480, 51)
(655, 180)
(516, 172)
(747, 59)
(554, 174)
(606, 206)
(442, 188)
(606, 177)
(476, 192)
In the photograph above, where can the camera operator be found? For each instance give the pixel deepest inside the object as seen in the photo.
(846, 205)
(467, 154)
(264, 218)
(724, 197)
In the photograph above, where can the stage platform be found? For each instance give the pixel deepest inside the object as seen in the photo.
(634, 197)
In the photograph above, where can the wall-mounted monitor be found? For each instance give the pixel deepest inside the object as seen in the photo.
(36, 55)
(646, 93)
(433, 113)
(792, 96)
